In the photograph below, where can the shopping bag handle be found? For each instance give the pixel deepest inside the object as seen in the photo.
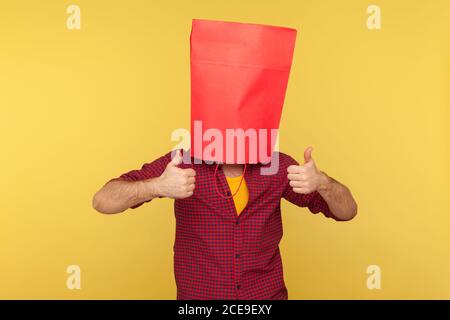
(237, 190)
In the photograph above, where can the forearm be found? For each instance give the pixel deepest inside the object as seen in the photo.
(118, 195)
(338, 197)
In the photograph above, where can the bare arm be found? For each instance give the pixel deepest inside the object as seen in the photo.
(118, 195)
(338, 197)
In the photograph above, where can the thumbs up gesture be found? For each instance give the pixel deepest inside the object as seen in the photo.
(176, 183)
(306, 178)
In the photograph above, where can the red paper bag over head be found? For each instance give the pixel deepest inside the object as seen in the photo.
(239, 76)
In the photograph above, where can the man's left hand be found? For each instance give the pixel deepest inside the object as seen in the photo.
(306, 178)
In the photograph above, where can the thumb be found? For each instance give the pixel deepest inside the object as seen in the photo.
(307, 154)
(177, 159)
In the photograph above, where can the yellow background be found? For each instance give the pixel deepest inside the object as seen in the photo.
(80, 107)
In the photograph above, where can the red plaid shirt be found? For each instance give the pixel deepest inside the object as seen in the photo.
(220, 255)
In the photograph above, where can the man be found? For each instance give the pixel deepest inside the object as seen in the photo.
(221, 252)
(228, 219)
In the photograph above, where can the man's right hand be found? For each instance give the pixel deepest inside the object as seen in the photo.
(174, 182)
(119, 195)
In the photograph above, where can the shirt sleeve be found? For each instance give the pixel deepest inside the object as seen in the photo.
(148, 171)
(313, 200)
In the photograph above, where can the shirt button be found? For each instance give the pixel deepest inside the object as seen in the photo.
(238, 255)
(237, 221)
(228, 193)
(238, 286)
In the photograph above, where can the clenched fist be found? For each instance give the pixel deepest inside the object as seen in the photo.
(176, 183)
(306, 178)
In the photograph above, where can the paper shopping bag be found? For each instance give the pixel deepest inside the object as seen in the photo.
(239, 75)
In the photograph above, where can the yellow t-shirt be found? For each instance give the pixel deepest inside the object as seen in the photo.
(241, 198)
